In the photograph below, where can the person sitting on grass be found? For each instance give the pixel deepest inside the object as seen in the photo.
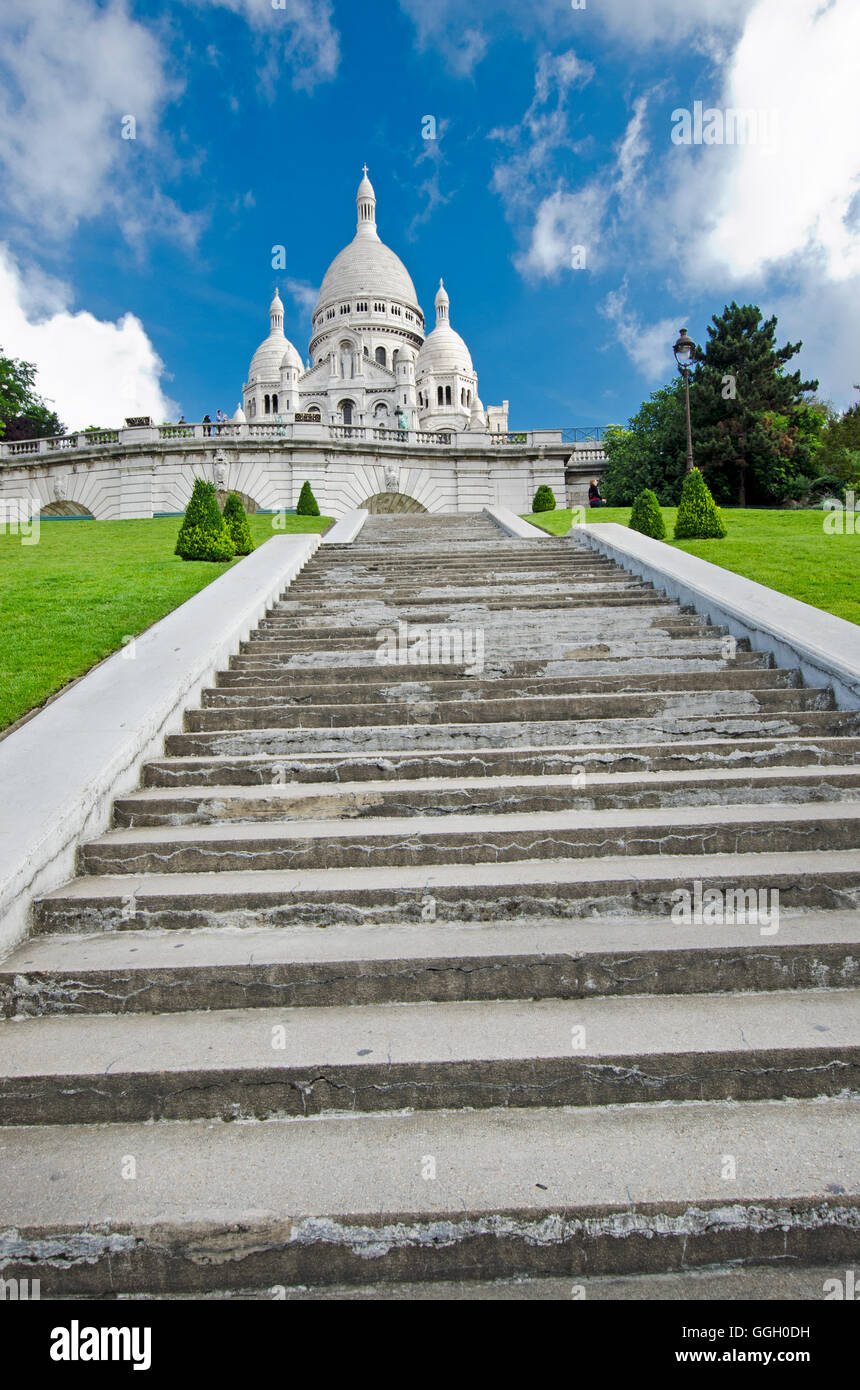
(594, 497)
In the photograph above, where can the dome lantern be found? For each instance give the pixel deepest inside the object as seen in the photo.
(276, 314)
(442, 304)
(365, 201)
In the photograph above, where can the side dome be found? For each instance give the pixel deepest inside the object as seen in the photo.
(276, 350)
(443, 350)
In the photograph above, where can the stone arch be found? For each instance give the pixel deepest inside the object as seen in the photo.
(67, 509)
(247, 502)
(382, 502)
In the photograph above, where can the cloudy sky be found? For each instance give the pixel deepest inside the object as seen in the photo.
(575, 233)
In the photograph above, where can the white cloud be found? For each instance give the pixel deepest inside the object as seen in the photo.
(70, 70)
(649, 346)
(798, 196)
(92, 372)
(564, 221)
(298, 36)
(302, 293)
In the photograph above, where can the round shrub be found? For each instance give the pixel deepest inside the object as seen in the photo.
(544, 499)
(647, 517)
(699, 517)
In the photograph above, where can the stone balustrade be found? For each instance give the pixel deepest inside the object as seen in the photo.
(143, 435)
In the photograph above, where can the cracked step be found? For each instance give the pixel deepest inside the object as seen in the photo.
(225, 1064)
(482, 795)
(559, 888)
(551, 760)
(144, 972)
(472, 839)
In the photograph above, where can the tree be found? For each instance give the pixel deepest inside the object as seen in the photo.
(754, 429)
(203, 534)
(544, 499)
(307, 503)
(236, 521)
(23, 413)
(650, 453)
(647, 517)
(839, 455)
(698, 517)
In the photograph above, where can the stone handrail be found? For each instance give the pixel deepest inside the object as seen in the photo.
(283, 429)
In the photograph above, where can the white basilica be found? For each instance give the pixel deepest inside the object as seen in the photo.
(370, 362)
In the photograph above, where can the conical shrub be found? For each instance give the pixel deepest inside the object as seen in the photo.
(236, 521)
(699, 517)
(647, 517)
(544, 499)
(307, 503)
(203, 535)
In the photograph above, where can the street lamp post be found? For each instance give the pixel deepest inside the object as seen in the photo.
(685, 351)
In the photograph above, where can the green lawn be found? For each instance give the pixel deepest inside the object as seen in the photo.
(68, 602)
(788, 551)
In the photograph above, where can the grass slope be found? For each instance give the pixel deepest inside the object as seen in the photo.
(789, 551)
(69, 601)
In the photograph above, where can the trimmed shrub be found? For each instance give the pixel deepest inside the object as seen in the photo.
(203, 535)
(544, 499)
(236, 521)
(307, 503)
(699, 517)
(647, 517)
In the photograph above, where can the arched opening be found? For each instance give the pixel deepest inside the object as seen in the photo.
(391, 502)
(346, 409)
(381, 357)
(274, 405)
(440, 396)
(380, 412)
(74, 511)
(447, 395)
(247, 502)
(313, 412)
(267, 405)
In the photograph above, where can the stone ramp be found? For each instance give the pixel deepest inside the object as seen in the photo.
(388, 946)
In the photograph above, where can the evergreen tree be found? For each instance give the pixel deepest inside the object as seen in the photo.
(236, 521)
(203, 534)
(698, 518)
(307, 503)
(647, 517)
(754, 433)
(544, 500)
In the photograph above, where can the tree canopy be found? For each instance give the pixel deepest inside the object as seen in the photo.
(23, 413)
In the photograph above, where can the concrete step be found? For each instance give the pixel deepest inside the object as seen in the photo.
(392, 686)
(558, 888)
(255, 1063)
(440, 796)
(515, 1193)
(648, 653)
(167, 972)
(473, 839)
(466, 736)
(558, 760)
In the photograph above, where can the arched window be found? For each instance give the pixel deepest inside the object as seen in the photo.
(395, 357)
(447, 395)
(381, 357)
(468, 398)
(274, 405)
(440, 397)
(346, 408)
(253, 406)
(267, 405)
(314, 412)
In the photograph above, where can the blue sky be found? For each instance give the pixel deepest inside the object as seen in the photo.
(137, 273)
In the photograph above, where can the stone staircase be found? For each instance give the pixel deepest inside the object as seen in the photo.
(388, 951)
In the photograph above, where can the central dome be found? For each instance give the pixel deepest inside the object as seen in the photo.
(367, 267)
